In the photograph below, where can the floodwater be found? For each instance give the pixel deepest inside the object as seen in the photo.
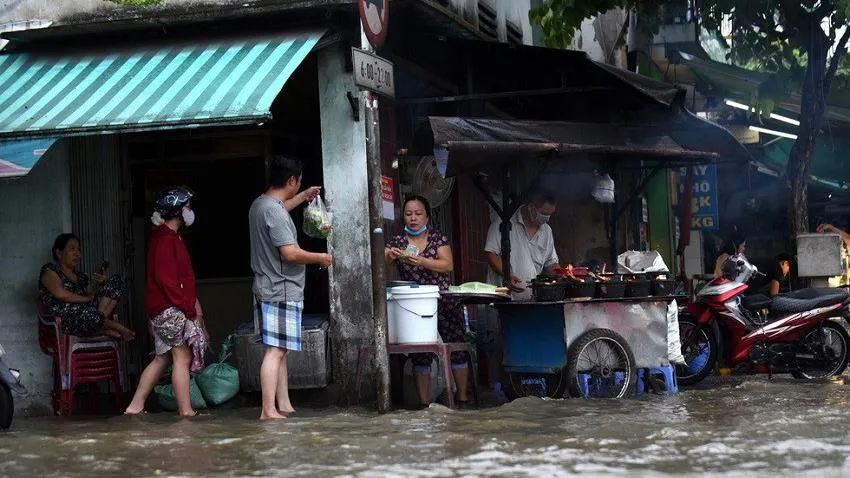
(735, 427)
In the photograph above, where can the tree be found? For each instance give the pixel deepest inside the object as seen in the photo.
(795, 40)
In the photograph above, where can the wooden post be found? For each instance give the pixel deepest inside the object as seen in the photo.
(376, 225)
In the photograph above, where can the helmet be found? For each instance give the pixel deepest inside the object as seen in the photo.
(169, 202)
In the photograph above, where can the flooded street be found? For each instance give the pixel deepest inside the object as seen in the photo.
(740, 426)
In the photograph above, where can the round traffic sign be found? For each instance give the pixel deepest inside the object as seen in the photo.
(374, 15)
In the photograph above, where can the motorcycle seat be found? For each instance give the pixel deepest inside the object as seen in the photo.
(757, 302)
(807, 299)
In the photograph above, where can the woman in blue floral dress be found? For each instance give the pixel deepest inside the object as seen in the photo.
(432, 265)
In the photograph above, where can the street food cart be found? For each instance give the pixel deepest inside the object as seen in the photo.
(585, 343)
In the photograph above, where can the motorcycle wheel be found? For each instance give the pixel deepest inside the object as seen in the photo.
(601, 364)
(837, 335)
(700, 352)
(7, 407)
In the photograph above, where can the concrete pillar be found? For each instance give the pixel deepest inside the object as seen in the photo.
(346, 186)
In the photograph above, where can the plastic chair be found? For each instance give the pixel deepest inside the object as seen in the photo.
(666, 375)
(89, 360)
(441, 350)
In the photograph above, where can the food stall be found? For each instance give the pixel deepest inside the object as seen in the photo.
(583, 334)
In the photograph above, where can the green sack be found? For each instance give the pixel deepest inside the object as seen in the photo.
(165, 394)
(219, 382)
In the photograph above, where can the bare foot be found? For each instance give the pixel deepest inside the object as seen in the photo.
(134, 411)
(189, 414)
(271, 416)
(286, 410)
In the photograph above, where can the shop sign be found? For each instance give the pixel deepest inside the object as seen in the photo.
(387, 197)
(704, 210)
(373, 73)
(374, 16)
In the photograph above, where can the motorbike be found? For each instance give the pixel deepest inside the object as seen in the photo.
(10, 380)
(797, 332)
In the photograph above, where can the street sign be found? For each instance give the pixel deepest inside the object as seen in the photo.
(374, 16)
(704, 208)
(373, 72)
(388, 197)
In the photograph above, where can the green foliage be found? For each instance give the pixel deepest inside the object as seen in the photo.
(769, 36)
(137, 3)
(559, 19)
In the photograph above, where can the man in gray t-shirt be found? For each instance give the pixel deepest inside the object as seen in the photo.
(278, 264)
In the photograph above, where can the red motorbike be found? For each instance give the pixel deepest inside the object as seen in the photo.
(793, 333)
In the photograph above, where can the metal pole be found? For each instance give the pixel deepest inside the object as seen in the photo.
(376, 224)
(506, 229)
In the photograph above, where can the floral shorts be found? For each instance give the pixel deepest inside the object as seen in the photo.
(172, 329)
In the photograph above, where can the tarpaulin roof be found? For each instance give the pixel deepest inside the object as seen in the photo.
(478, 143)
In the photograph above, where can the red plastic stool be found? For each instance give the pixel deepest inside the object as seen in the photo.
(89, 360)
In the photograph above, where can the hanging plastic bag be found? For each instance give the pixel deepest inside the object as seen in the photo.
(317, 219)
(674, 343)
(219, 382)
(603, 190)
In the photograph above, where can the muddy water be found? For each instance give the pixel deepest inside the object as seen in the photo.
(738, 427)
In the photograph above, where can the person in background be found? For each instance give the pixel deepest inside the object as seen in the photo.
(85, 307)
(780, 282)
(844, 279)
(431, 264)
(532, 245)
(278, 264)
(845, 238)
(176, 316)
(734, 244)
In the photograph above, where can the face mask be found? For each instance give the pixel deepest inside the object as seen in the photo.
(542, 218)
(415, 232)
(188, 217)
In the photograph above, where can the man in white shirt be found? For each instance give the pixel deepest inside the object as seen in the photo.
(532, 245)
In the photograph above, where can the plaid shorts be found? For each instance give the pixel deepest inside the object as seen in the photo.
(280, 324)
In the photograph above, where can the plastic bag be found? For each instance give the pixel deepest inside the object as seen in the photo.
(219, 382)
(674, 343)
(317, 219)
(473, 287)
(603, 190)
(165, 395)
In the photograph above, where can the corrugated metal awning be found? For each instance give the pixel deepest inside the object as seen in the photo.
(157, 86)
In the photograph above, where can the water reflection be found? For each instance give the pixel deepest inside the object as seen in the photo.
(748, 426)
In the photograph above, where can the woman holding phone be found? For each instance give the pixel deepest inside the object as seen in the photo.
(84, 306)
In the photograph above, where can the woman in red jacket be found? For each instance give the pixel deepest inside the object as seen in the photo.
(171, 304)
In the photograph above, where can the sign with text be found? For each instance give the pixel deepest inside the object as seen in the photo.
(373, 73)
(704, 209)
(387, 197)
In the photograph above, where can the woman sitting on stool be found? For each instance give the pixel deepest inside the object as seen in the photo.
(85, 307)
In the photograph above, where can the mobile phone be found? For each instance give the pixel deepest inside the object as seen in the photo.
(104, 267)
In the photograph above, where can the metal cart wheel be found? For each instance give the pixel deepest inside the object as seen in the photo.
(600, 364)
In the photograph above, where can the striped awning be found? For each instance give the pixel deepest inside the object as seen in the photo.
(162, 86)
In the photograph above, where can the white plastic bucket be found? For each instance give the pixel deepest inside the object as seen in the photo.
(392, 335)
(414, 314)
